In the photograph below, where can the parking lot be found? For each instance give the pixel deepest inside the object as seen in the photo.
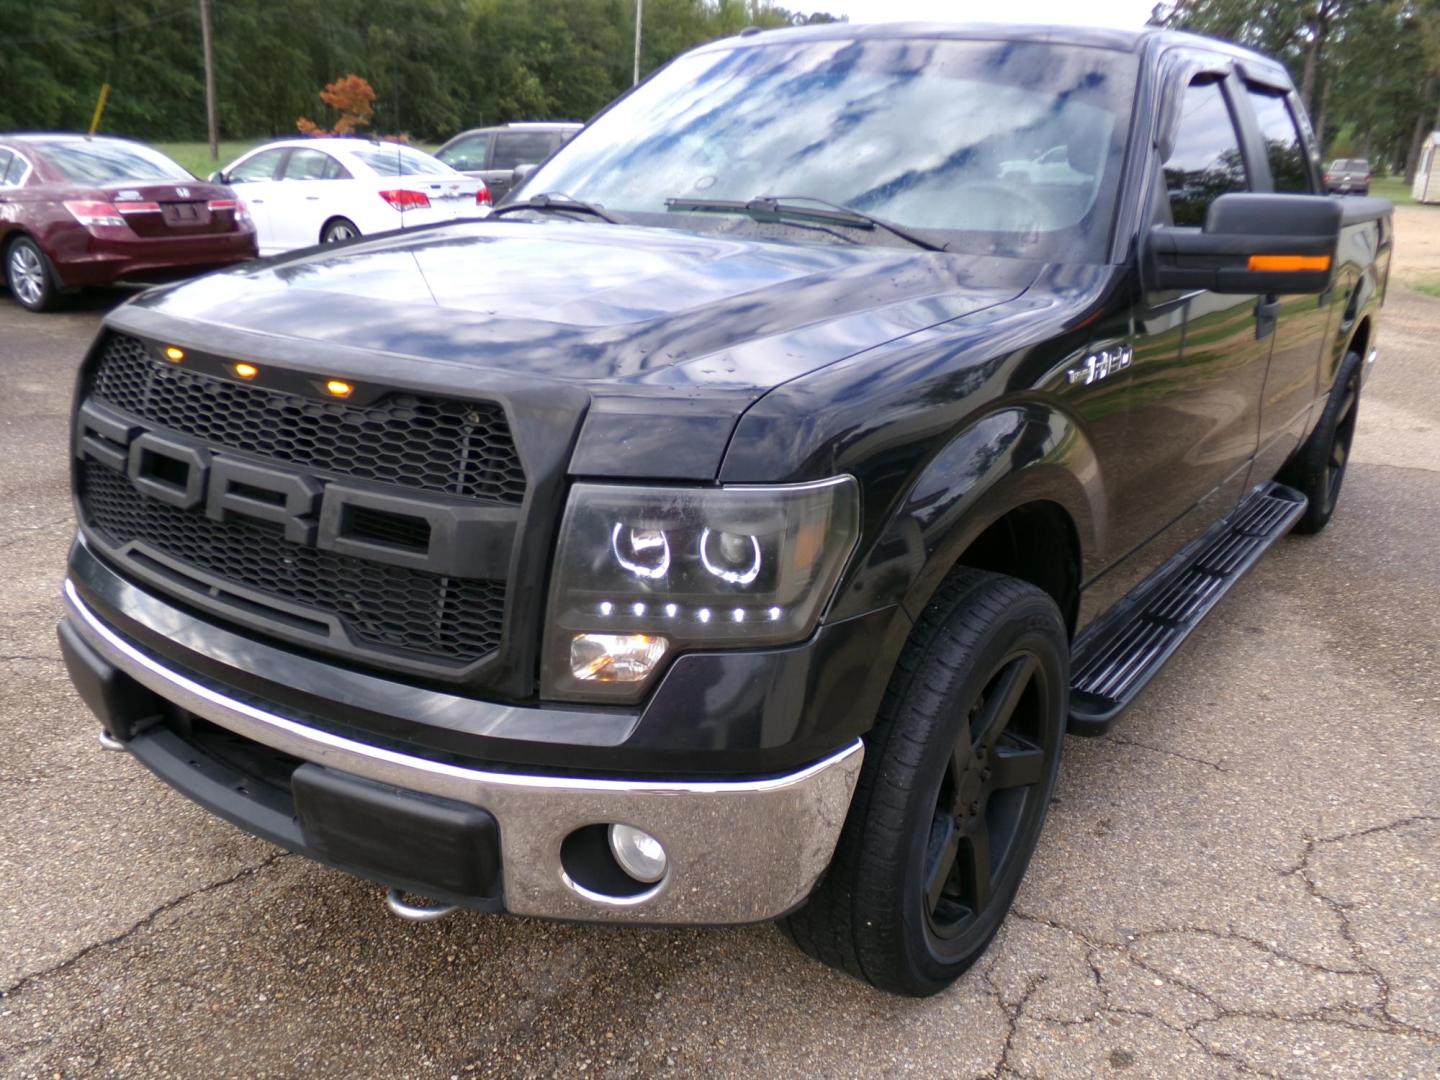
(1244, 877)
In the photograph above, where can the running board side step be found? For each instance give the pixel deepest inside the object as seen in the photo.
(1117, 661)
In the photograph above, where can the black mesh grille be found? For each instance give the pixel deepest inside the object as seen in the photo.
(385, 606)
(458, 447)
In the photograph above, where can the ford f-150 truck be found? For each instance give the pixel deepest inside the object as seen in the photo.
(731, 527)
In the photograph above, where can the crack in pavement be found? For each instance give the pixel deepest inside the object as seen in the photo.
(1218, 766)
(25, 981)
(1372, 1019)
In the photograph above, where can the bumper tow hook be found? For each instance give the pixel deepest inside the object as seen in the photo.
(394, 900)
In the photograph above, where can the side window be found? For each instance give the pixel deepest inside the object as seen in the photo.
(521, 148)
(313, 165)
(1283, 145)
(17, 170)
(5, 160)
(467, 153)
(260, 167)
(1206, 162)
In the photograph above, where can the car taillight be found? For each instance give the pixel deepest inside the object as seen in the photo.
(482, 197)
(1367, 178)
(222, 204)
(91, 214)
(404, 199)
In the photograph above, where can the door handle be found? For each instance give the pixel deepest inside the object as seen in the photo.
(312, 198)
(1267, 313)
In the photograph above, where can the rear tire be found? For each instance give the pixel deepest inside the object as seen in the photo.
(337, 230)
(1318, 467)
(30, 275)
(958, 774)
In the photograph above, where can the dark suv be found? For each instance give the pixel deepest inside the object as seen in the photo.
(494, 153)
(736, 535)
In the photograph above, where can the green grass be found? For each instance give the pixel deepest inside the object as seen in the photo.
(1428, 286)
(195, 156)
(1393, 188)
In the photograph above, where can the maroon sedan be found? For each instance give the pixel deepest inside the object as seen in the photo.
(78, 211)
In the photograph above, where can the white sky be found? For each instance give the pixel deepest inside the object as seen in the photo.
(1128, 14)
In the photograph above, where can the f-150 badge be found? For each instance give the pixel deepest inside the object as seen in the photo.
(1101, 364)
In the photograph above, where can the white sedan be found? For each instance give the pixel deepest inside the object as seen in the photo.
(307, 191)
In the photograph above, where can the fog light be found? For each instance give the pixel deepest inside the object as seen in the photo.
(639, 854)
(615, 658)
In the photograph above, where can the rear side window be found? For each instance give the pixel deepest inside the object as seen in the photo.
(1206, 162)
(1283, 146)
(514, 148)
(313, 165)
(5, 160)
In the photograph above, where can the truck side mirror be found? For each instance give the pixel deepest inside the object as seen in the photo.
(1250, 244)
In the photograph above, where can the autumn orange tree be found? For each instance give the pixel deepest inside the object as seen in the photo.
(353, 98)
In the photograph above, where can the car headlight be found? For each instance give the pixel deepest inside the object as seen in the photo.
(644, 572)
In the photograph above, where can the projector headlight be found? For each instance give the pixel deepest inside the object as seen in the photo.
(644, 572)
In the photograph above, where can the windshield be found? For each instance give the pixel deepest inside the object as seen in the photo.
(991, 147)
(103, 162)
(400, 161)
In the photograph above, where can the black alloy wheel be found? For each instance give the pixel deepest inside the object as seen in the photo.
(953, 793)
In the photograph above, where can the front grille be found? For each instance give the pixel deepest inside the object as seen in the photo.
(456, 447)
(382, 606)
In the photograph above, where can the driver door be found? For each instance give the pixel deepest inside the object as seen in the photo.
(1199, 365)
(253, 179)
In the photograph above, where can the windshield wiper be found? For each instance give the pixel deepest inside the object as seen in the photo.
(558, 200)
(776, 207)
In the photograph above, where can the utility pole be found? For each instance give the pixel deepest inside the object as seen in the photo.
(639, 12)
(209, 49)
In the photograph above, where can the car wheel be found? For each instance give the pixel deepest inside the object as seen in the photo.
(958, 774)
(338, 229)
(30, 276)
(1318, 467)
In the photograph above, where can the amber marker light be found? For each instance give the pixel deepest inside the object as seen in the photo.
(246, 371)
(174, 354)
(1287, 264)
(339, 388)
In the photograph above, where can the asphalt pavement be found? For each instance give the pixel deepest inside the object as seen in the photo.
(1244, 877)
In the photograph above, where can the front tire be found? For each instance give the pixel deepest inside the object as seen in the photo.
(957, 779)
(1318, 468)
(30, 276)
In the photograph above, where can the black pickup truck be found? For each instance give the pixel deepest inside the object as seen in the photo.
(731, 527)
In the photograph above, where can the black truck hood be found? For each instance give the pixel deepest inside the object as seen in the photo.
(654, 330)
(596, 303)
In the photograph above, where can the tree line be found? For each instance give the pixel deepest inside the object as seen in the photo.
(437, 66)
(1367, 70)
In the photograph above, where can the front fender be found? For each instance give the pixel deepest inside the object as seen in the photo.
(1021, 453)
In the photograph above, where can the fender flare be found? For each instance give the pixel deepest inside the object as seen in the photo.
(1018, 454)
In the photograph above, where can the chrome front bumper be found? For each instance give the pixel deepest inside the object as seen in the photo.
(739, 851)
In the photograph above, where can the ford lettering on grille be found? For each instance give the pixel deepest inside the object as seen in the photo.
(424, 533)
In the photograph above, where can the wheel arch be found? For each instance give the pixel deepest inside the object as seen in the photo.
(1017, 491)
